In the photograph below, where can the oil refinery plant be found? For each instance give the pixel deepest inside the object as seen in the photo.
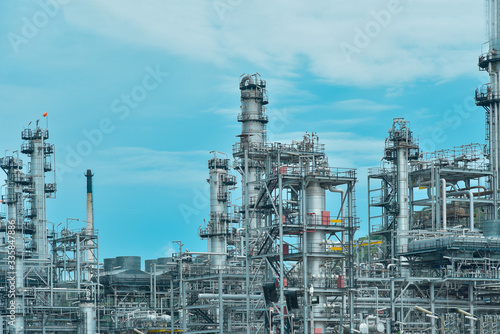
(285, 260)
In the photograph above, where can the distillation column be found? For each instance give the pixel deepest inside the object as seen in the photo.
(489, 95)
(494, 73)
(400, 148)
(39, 152)
(315, 205)
(15, 241)
(253, 137)
(402, 219)
(217, 230)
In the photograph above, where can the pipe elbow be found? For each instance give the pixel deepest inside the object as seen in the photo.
(334, 189)
(246, 80)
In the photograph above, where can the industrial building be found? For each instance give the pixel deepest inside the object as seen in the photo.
(285, 260)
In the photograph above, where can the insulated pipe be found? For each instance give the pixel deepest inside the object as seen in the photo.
(226, 296)
(471, 210)
(203, 253)
(334, 189)
(471, 308)
(384, 301)
(494, 136)
(433, 308)
(443, 194)
(245, 79)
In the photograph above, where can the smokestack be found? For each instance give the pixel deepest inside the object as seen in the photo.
(90, 214)
(90, 202)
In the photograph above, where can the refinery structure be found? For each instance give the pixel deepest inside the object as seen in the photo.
(285, 259)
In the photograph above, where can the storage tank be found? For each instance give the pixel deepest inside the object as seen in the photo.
(128, 262)
(162, 261)
(491, 228)
(148, 264)
(109, 264)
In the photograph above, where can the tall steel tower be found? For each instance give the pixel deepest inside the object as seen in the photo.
(400, 148)
(40, 153)
(488, 96)
(221, 221)
(252, 140)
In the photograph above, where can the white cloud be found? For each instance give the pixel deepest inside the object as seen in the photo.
(347, 122)
(278, 37)
(362, 105)
(226, 112)
(180, 27)
(168, 250)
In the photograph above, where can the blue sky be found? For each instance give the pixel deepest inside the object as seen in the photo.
(141, 91)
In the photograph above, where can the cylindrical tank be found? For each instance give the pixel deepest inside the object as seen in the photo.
(163, 261)
(148, 264)
(165, 318)
(491, 228)
(128, 262)
(376, 328)
(364, 328)
(109, 264)
(88, 319)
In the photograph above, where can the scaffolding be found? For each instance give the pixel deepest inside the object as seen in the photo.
(285, 259)
(42, 287)
(422, 282)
